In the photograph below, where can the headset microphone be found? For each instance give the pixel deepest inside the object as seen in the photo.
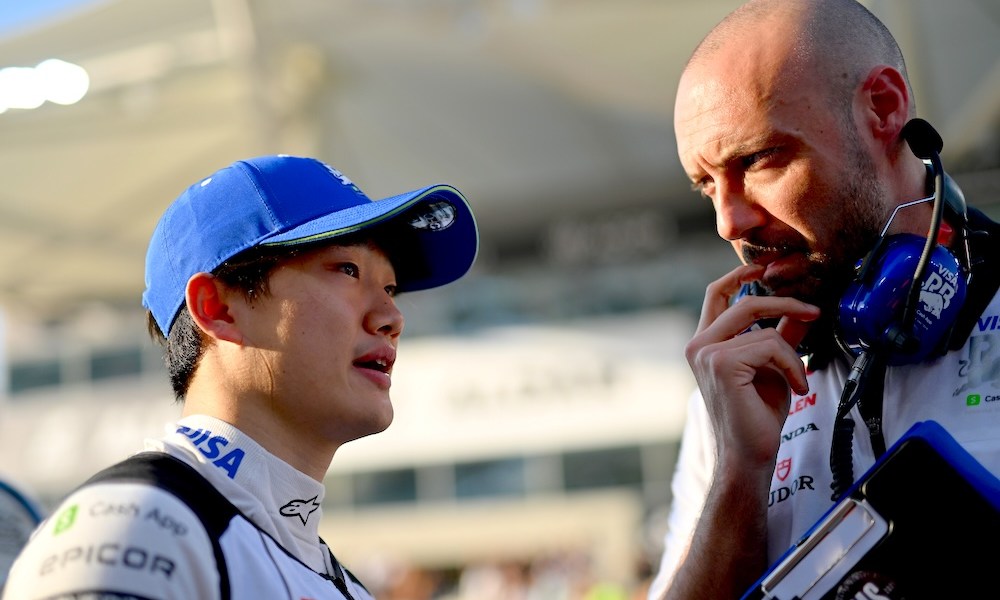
(905, 299)
(922, 139)
(909, 290)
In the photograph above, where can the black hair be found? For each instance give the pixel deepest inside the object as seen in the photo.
(250, 272)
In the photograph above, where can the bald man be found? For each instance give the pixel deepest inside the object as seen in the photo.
(790, 119)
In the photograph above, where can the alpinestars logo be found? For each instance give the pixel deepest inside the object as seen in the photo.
(300, 508)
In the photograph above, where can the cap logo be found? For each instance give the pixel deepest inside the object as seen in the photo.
(343, 178)
(435, 217)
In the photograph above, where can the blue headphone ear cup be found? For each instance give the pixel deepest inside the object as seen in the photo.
(871, 310)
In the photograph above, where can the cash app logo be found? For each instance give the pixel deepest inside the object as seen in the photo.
(972, 400)
(65, 520)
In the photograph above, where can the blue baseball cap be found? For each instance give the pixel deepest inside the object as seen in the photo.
(282, 200)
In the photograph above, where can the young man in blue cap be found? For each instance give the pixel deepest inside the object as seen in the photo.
(271, 285)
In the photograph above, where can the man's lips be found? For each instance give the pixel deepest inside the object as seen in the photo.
(766, 258)
(781, 266)
(376, 365)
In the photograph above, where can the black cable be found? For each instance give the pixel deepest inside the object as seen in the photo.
(841, 457)
(910, 309)
(841, 447)
(841, 451)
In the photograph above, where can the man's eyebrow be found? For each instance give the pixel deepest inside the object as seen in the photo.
(727, 154)
(747, 147)
(725, 157)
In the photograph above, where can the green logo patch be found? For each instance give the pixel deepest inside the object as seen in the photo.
(65, 520)
(973, 400)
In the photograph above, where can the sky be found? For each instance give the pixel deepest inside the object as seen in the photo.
(17, 14)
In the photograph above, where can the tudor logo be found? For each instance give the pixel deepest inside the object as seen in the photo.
(784, 492)
(783, 468)
(300, 508)
(435, 217)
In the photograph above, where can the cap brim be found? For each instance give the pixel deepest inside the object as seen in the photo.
(439, 217)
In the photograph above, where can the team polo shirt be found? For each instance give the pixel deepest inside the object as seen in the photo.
(204, 512)
(960, 390)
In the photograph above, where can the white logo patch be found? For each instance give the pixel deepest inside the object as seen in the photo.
(937, 291)
(436, 217)
(343, 178)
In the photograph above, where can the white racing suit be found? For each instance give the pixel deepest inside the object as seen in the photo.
(205, 512)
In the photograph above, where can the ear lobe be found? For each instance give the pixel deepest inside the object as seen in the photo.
(206, 299)
(888, 103)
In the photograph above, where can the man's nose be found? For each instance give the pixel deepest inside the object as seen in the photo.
(735, 213)
(386, 317)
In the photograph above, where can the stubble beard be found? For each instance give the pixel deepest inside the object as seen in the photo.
(857, 223)
(832, 269)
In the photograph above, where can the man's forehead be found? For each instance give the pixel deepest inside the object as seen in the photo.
(707, 108)
(729, 93)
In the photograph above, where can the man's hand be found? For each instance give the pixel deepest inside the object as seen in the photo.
(745, 375)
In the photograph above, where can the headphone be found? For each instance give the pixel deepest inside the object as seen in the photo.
(905, 299)
(908, 290)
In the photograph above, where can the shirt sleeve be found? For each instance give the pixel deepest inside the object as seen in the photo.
(117, 540)
(689, 488)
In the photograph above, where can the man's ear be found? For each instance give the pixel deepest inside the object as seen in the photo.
(886, 103)
(208, 302)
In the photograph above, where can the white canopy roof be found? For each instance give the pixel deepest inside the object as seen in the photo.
(534, 108)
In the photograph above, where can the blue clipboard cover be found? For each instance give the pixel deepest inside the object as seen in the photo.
(923, 522)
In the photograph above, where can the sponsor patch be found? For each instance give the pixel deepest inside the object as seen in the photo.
(300, 508)
(65, 519)
(437, 216)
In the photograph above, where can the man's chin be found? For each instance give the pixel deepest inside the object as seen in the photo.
(805, 289)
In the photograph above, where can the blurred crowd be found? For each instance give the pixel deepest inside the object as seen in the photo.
(561, 577)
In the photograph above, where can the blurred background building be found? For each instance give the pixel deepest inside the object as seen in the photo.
(539, 400)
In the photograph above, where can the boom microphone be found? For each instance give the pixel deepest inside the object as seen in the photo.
(923, 139)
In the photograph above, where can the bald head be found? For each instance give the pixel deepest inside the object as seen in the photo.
(839, 39)
(788, 118)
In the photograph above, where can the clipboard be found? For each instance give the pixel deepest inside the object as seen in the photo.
(923, 522)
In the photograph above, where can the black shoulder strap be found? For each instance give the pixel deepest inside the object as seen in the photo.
(181, 480)
(984, 245)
